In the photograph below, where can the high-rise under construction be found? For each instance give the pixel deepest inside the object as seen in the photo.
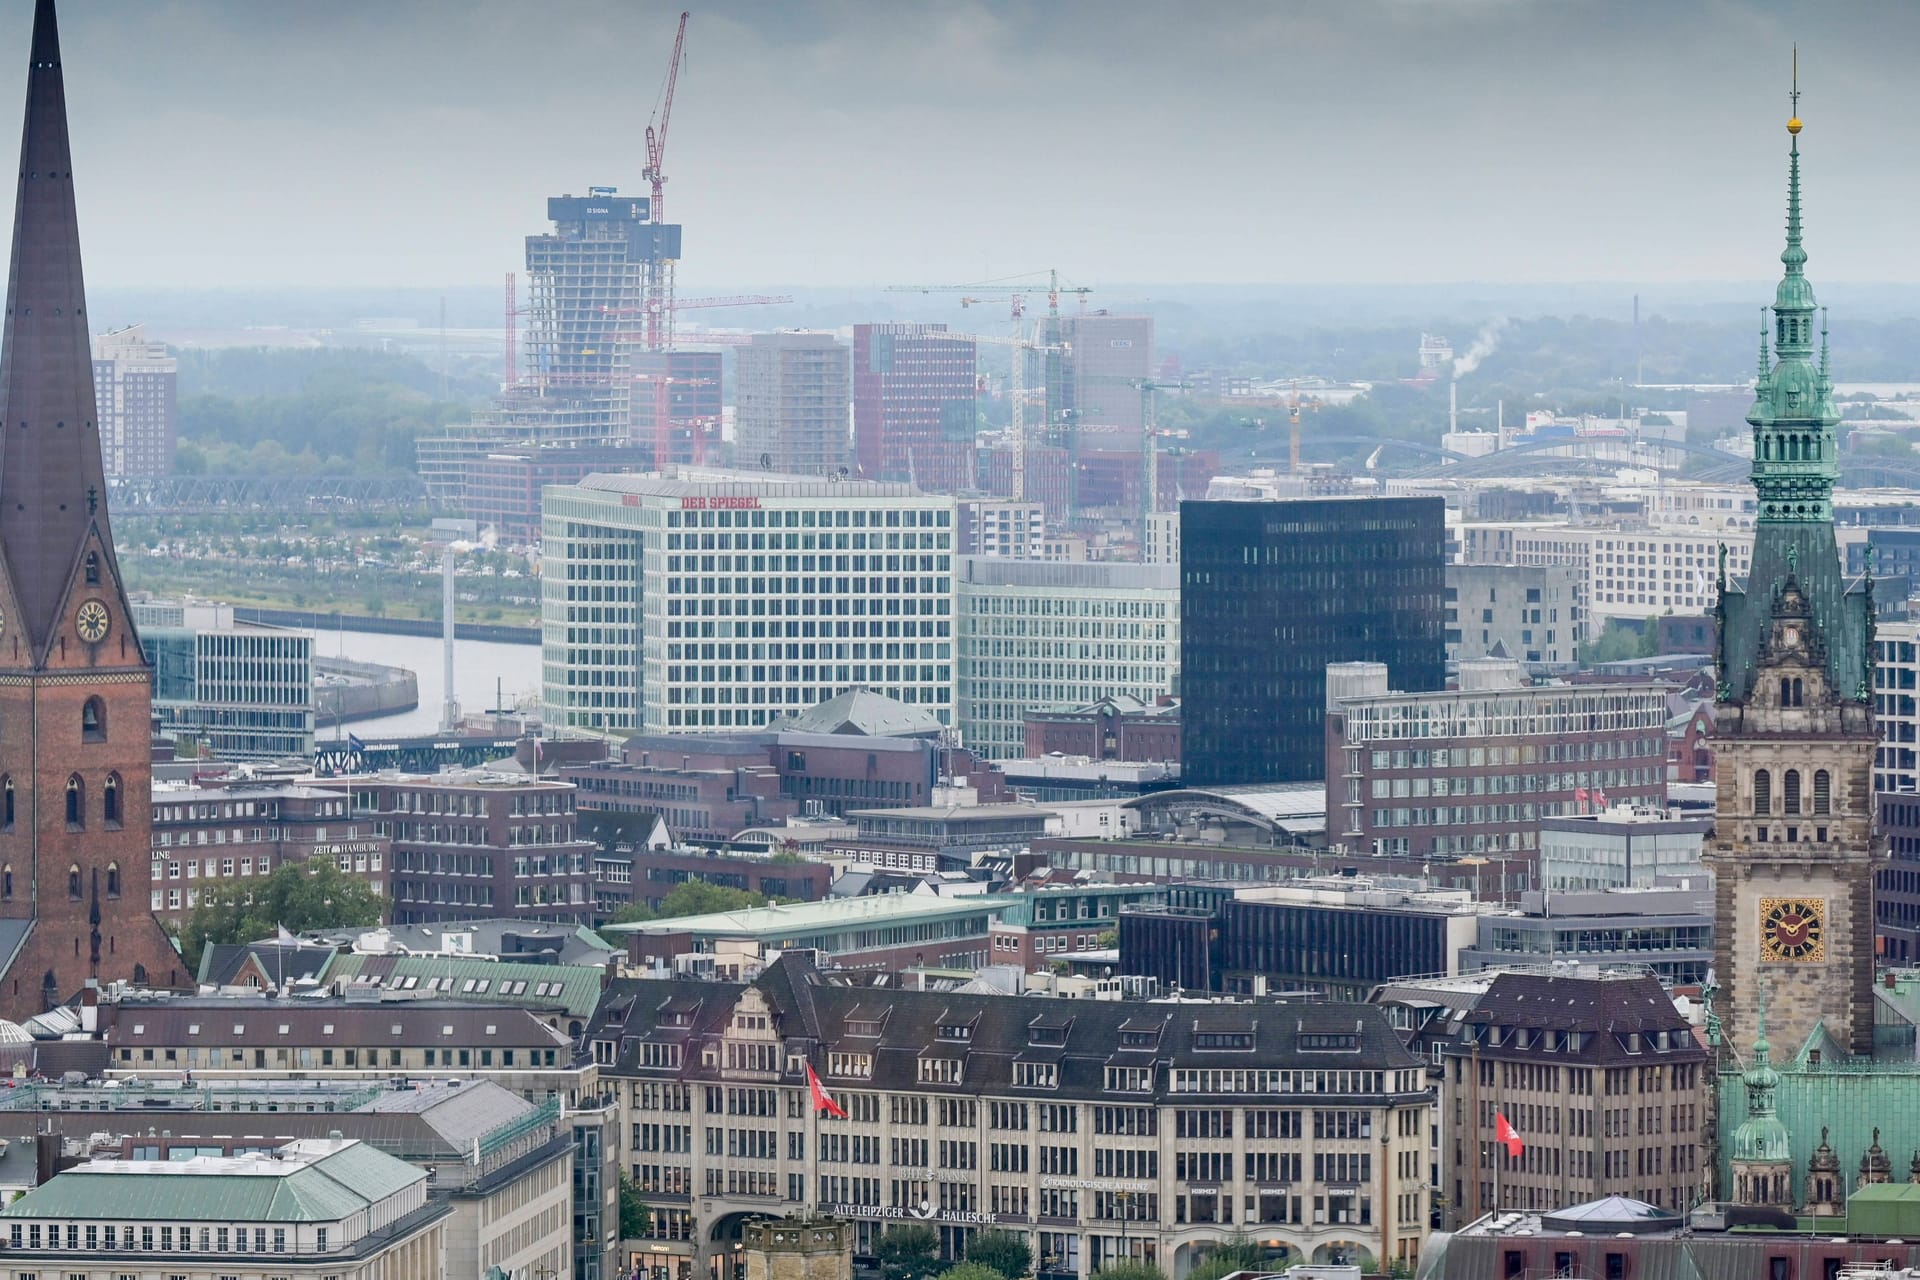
(587, 283)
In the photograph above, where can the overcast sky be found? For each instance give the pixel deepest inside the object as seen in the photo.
(233, 143)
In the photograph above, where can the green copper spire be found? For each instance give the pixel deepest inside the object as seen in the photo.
(1761, 1137)
(1795, 458)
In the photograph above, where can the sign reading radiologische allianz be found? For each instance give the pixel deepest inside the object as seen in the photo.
(928, 1214)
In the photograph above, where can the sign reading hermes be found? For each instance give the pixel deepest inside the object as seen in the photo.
(926, 1214)
(720, 502)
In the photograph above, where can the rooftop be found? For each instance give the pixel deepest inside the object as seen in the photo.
(790, 919)
(694, 482)
(313, 1180)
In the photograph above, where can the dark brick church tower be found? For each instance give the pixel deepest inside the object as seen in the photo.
(76, 693)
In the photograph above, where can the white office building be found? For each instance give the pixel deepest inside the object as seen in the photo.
(1036, 634)
(702, 600)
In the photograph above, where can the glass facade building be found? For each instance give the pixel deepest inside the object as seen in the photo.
(1271, 593)
(243, 689)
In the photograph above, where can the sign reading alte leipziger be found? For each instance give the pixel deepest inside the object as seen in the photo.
(928, 1214)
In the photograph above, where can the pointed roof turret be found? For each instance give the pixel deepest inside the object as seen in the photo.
(52, 485)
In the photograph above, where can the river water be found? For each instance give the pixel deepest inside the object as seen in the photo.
(477, 666)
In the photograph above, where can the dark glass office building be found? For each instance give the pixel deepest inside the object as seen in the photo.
(1270, 593)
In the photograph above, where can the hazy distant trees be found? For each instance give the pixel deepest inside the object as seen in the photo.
(281, 412)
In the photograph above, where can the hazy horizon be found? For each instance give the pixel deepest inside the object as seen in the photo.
(834, 144)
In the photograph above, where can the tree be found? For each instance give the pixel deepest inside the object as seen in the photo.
(314, 894)
(910, 1252)
(1005, 1251)
(634, 1214)
(971, 1270)
(1128, 1269)
(691, 898)
(1237, 1253)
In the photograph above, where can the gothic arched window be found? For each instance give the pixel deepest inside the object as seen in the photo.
(6, 882)
(1791, 785)
(110, 800)
(6, 803)
(93, 568)
(1762, 791)
(73, 881)
(113, 879)
(76, 802)
(93, 721)
(1822, 791)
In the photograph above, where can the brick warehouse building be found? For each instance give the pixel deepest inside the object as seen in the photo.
(76, 693)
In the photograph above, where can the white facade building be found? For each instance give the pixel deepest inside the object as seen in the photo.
(1623, 848)
(1625, 573)
(1036, 634)
(1163, 538)
(135, 387)
(707, 599)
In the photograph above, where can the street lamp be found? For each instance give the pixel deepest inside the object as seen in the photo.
(1126, 1199)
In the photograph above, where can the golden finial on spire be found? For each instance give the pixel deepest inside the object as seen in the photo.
(1793, 125)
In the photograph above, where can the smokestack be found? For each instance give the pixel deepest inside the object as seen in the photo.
(1453, 405)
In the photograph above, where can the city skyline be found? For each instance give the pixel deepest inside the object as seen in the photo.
(1514, 142)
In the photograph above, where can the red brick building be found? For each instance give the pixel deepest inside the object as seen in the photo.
(220, 835)
(1116, 728)
(477, 845)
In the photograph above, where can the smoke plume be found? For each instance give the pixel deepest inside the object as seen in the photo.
(1483, 346)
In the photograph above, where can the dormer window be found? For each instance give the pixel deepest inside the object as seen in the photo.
(957, 1030)
(1139, 1039)
(863, 1027)
(1046, 1034)
(1223, 1040)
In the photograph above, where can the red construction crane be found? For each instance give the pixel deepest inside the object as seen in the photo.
(659, 295)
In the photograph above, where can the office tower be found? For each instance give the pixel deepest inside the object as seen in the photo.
(913, 394)
(1038, 634)
(76, 693)
(244, 689)
(709, 599)
(792, 404)
(135, 386)
(1270, 594)
(1110, 355)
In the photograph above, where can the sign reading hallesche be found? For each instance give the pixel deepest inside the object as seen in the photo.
(928, 1214)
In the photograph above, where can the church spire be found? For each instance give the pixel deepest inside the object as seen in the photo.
(52, 485)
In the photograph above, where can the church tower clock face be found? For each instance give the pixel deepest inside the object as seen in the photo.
(1793, 930)
(92, 621)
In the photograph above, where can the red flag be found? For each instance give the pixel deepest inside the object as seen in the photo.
(822, 1100)
(1600, 799)
(1506, 1134)
(1579, 795)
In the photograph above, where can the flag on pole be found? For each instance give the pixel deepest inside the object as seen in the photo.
(283, 937)
(1505, 1134)
(822, 1100)
(1599, 799)
(1580, 795)
(354, 743)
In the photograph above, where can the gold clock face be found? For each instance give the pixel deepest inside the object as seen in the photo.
(1793, 929)
(92, 622)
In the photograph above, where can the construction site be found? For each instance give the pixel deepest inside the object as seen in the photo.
(600, 374)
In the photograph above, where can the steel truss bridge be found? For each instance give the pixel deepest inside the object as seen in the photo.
(409, 755)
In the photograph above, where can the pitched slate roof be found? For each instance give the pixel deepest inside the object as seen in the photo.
(1081, 1038)
(862, 712)
(1627, 1020)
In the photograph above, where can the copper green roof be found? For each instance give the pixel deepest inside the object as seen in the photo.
(339, 1183)
(576, 988)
